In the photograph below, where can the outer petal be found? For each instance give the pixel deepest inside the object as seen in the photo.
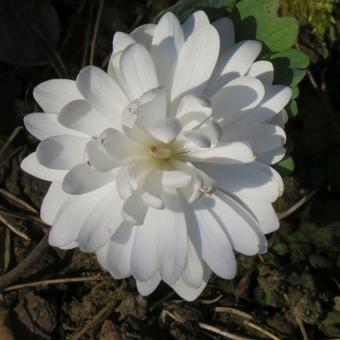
(44, 125)
(121, 41)
(53, 200)
(226, 31)
(235, 62)
(103, 93)
(273, 156)
(53, 95)
(31, 165)
(102, 255)
(80, 116)
(138, 71)
(194, 22)
(254, 181)
(71, 217)
(196, 63)
(262, 70)
(144, 34)
(168, 40)
(61, 152)
(239, 95)
(145, 288)
(83, 179)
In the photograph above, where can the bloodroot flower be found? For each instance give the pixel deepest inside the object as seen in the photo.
(161, 166)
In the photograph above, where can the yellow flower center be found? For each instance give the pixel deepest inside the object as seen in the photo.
(160, 152)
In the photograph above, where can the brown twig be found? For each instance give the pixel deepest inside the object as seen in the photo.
(233, 311)
(25, 217)
(22, 267)
(54, 282)
(17, 201)
(11, 155)
(95, 32)
(252, 325)
(218, 331)
(13, 229)
(297, 205)
(7, 252)
(10, 139)
(95, 322)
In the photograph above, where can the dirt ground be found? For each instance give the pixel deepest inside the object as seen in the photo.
(292, 292)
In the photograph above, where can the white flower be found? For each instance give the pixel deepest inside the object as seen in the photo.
(162, 165)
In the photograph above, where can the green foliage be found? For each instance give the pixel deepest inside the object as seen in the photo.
(316, 14)
(286, 167)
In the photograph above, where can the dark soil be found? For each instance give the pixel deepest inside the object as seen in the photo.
(291, 292)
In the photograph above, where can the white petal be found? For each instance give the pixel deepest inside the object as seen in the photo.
(31, 165)
(198, 138)
(226, 31)
(102, 255)
(272, 157)
(232, 153)
(165, 130)
(254, 181)
(145, 288)
(211, 241)
(196, 63)
(242, 228)
(82, 179)
(123, 183)
(53, 95)
(117, 144)
(262, 137)
(175, 179)
(98, 158)
(80, 116)
(235, 62)
(119, 253)
(53, 200)
(138, 71)
(280, 119)
(168, 40)
(121, 41)
(237, 96)
(144, 34)
(193, 103)
(44, 125)
(103, 93)
(213, 130)
(134, 210)
(71, 217)
(274, 101)
(152, 190)
(171, 237)
(262, 70)
(194, 22)
(265, 214)
(101, 223)
(61, 152)
(144, 257)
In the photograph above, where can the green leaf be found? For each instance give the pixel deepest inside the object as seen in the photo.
(289, 66)
(259, 20)
(292, 108)
(285, 167)
(215, 9)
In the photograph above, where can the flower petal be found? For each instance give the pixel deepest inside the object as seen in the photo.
(194, 22)
(44, 125)
(145, 288)
(196, 63)
(273, 156)
(61, 152)
(121, 41)
(168, 40)
(233, 63)
(103, 93)
(53, 95)
(232, 153)
(165, 130)
(120, 250)
(144, 34)
(53, 200)
(138, 71)
(262, 70)
(98, 158)
(102, 255)
(226, 31)
(134, 209)
(237, 96)
(80, 116)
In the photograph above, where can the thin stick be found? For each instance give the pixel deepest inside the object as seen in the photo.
(22, 267)
(96, 29)
(54, 282)
(25, 217)
(95, 322)
(11, 155)
(13, 229)
(297, 205)
(17, 201)
(218, 331)
(250, 324)
(233, 311)
(10, 139)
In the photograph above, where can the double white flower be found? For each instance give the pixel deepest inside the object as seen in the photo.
(162, 165)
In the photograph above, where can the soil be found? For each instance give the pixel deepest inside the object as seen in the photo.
(291, 292)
